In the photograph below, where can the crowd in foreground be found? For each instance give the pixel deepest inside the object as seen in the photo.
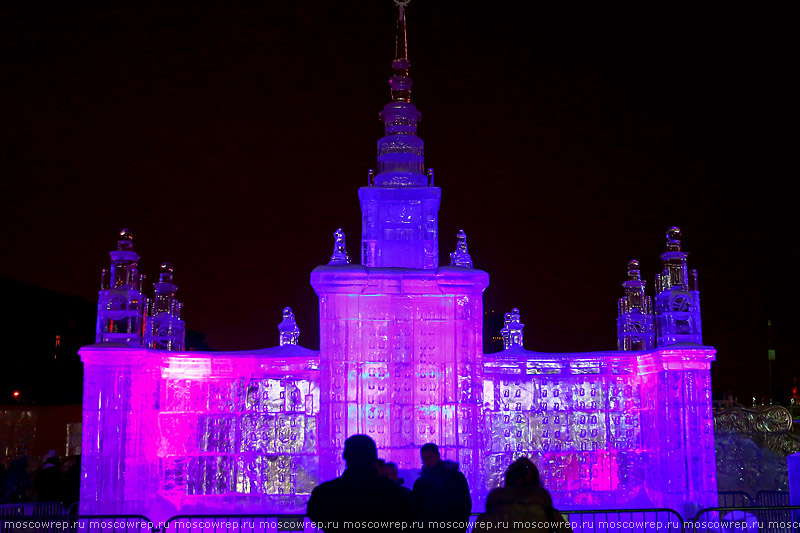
(369, 495)
(53, 480)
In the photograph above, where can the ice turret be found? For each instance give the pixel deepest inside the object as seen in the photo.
(461, 257)
(400, 207)
(512, 330)
(339, 256)
(677, 306)
(121, 306)
(165, 329)
(635, 318)
(289, 332)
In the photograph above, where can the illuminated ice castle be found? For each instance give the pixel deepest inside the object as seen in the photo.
(401, 360)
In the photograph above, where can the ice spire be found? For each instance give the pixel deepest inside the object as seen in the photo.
(339, 256)
(400, 208)
(512, 330)
(401, 82)
(121, 306)
(289, 332)
(635, 313)
(461, 257)
(400, 152)
(165, 330)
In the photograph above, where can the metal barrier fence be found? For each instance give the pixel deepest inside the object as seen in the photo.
(625, 521)
(31, 509)
(735, 498)
(765, 519)
(772, 498)
(739, 498)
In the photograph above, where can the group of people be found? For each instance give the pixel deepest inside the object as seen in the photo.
(369, 495)
(51, 482)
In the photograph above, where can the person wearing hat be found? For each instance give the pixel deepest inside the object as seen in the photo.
(359, 495)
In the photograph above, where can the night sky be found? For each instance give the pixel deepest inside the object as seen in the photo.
(566, 139)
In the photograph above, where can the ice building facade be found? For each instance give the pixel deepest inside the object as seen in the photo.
(401, 360)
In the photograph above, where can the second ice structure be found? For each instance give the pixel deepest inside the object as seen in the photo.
(167, 431)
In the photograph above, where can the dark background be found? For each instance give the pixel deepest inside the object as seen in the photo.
(566, 139)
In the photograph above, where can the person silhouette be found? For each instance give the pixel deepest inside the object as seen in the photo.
(523, 501)
(359, 495)
(441, 493)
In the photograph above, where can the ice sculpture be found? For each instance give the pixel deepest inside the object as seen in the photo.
(339, 256)
(400, 338)
(121, 306)
(606, 429)
(168, 432)
(165, 329)
(677, 297)
(288, 328)
(125, 315)
(400, 210)
(512, 330)
(461, 257)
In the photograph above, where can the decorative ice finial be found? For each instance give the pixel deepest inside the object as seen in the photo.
(125, 241)
(512, 330)
(339, 256)
(461, 257)
(674, 239)
(166, 272)
(633, 270)
(289, 332)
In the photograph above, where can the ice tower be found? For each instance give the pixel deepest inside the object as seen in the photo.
(400, 207)
(400, 336)
(121, 307)
(635, 320)
(165, 330)
(677, 297)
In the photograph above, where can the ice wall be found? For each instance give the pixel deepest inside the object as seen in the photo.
(606, 429)
(167, 432)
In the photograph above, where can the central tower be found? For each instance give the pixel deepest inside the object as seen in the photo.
(400, 207)
(401, 337)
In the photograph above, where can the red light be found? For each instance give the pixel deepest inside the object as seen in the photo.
(16, 394)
